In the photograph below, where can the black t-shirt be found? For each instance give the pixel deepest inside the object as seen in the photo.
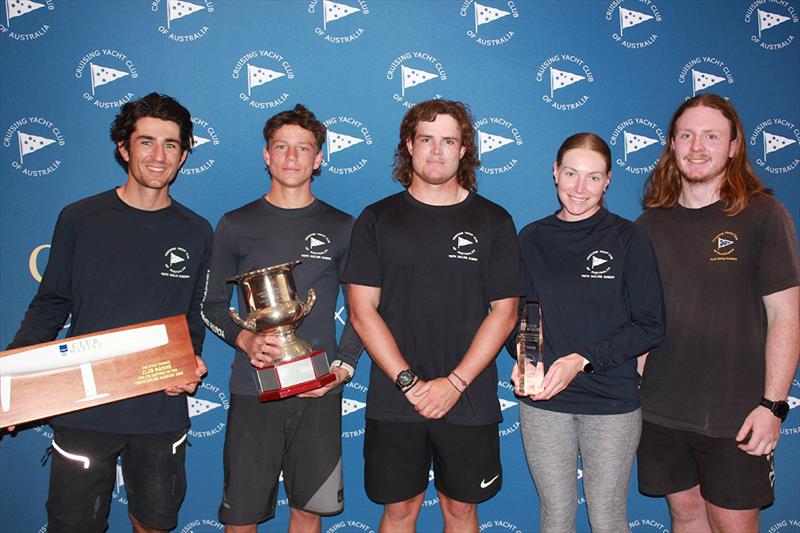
(715, 269)
(259, 235)
(438, 268)
(112, 265)
(597, 282)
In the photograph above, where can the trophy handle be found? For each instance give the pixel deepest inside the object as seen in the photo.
(246, 324)
(311, 299)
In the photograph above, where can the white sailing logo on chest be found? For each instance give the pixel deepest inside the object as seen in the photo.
(176, 261)
(465, 246)
(598, 265)
(317, 246)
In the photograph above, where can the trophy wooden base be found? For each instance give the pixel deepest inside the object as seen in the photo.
(66, 375)
(290, 378)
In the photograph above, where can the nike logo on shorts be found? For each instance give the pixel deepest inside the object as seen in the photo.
(485, 483)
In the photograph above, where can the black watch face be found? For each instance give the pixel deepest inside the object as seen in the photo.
(405, 378)
(781, 409)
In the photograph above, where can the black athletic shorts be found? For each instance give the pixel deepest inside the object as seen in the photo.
(673, 460)
(397, 458)
(83, 472)
(302, 436)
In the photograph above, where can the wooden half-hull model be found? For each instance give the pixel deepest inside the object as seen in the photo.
(66, 375)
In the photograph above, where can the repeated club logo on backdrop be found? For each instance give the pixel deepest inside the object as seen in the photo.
(566, 77)
(636, 143)
(202, 525)
(647, 525)
(26, 20)
(791, 427)
(207, 411)
(263, 76)
(175, 23)
(704, 72)
(634, 24)
(776, 145)
(496, 138)
(350, 526)
(772, 23)
(491, 21)
(32, 146)
(204, 139)
(509, 408)
(107, 77)
(332, 28)
(499, 525)
(410, 71)
(354, 401)
(347, 137)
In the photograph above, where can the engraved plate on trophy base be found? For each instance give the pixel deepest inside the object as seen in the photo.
(293, 377)
(66, 375)
(530, 350)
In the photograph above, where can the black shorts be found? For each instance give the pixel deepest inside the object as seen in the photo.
(672, 460)
(303, 436)
(83, 473)
(397, 458)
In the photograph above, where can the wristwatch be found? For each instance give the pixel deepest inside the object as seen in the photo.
(338, 363)
(588, 368)
(405, 379)
(779, 408)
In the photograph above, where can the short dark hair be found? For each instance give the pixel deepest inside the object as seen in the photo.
(299, 116)
(153, 105)
(427, 111)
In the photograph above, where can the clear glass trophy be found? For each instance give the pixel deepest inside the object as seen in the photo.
(530, 349)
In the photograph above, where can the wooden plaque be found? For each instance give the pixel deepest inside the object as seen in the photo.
(66, 375)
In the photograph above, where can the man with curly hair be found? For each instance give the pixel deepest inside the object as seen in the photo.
(434, 279)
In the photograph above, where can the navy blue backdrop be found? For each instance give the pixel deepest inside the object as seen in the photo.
(533, 72)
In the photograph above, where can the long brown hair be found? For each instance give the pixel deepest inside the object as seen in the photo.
(426, 111)
(663, 187)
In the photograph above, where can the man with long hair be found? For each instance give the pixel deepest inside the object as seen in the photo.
(300, 435)
(714, 393)
(107, 268)
(425, 265)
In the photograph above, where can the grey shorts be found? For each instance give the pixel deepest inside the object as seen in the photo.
(303, 436)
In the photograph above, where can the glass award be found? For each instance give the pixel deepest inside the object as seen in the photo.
(530, 349)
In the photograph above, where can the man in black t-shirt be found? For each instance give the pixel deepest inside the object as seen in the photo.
(714, 393)
(107, 269)
(434, 277)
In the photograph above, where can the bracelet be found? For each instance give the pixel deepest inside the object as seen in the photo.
(459, 378)
(454, 385)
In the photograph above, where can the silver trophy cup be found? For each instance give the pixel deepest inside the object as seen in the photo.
(275, 308)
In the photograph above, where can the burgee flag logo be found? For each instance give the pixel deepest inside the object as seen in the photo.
(773, 23)
(25, 20)
(260, 68)
(334, 28)
(625, 18)
(29, 142)
(562, 72)
(413, 77)
(109, 73)
(423, 70)
(705, 72)
(349, 135)
(777, 143)
(637, 136)
(496, 136)
(184, 31)
(490, 24)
